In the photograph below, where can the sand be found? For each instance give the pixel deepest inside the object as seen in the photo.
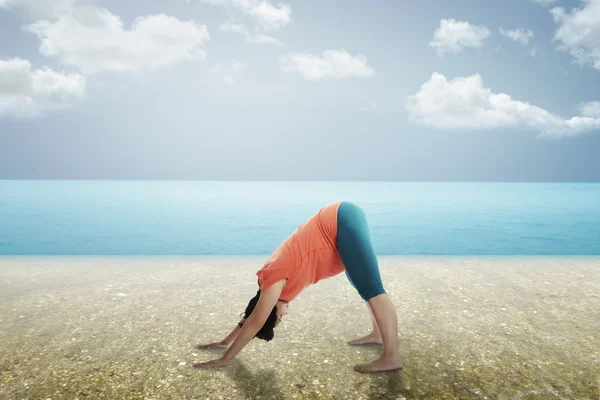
(79, 327)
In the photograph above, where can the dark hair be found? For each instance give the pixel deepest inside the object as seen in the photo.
(266, 332)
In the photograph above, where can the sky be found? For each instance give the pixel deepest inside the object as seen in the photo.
(386, 90)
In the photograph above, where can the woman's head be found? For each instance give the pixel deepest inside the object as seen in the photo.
(266, 331)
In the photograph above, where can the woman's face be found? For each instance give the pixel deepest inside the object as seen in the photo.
(282, 307)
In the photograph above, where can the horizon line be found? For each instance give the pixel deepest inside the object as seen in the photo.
(283, 181)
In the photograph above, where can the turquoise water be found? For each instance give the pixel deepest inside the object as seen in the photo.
(196, 217)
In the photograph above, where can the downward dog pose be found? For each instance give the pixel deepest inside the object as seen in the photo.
(334, 240)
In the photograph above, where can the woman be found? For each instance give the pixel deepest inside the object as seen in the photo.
(334, 240)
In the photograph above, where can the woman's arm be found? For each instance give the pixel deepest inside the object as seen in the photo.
(247, 332)
(266, 302)
(234, 333)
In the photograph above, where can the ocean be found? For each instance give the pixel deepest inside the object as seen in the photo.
(60, 217)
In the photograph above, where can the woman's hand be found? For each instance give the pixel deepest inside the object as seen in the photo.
(215, 345)
(211, 364)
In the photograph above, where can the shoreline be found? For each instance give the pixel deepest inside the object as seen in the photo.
(265, 256)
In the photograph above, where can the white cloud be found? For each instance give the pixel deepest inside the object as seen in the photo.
(591, 109)
(232, 26)
(579, 32)
(463, 103)
(263, 39)
(263, 12)
(533, 52)
(334, 64)
(518, 35)
(94, 39)
(452, 36)
(544, 2)
(25, 92)
(266, 14)
(226, 72)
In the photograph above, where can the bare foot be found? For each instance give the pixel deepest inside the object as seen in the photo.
(370, 338)
(381, 364)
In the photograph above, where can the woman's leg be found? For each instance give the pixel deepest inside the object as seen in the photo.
(357, 253)
(375, 330)
(374, 336)
(387, 321)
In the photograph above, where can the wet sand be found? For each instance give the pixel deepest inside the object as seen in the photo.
(469, 328)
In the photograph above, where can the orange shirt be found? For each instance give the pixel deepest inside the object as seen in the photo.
(306, 256)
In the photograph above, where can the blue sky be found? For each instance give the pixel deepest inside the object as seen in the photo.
(462, 90)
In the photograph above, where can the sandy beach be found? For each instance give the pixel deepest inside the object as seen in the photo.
(82, 327)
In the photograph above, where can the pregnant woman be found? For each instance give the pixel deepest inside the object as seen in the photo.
(334, 240)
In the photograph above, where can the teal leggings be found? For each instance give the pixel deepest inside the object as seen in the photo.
(356, 250)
